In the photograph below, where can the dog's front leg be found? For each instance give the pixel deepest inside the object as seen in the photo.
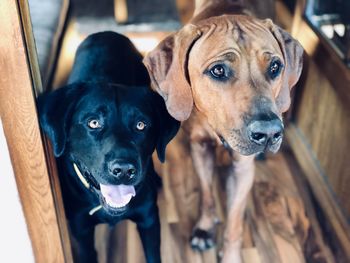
(86, 247)
(149, 231)
(239, 183)
(203, 155)
(82, 228)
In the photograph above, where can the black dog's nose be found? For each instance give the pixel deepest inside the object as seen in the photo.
(263, 132)
(122, 170)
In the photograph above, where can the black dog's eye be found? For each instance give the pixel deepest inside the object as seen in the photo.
(140, 126)
(94, 124)
(275, 68)
(218, 71)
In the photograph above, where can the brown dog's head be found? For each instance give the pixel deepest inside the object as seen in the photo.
(237, 71)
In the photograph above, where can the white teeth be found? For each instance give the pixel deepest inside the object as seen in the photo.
(110, 203)
(126, 199)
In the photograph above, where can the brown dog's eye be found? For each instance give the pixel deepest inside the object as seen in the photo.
(218, 71)
(94, 124)
(140, 126)
(275, 68)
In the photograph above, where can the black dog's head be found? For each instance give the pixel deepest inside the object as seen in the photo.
(109, 132)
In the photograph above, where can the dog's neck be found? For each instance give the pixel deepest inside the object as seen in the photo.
(208, 8)
(87, 185)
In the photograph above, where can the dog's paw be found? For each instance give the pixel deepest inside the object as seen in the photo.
(202, 240)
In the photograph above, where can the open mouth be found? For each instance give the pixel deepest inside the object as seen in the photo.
(114, 198)
(117, 196)
(240, 147)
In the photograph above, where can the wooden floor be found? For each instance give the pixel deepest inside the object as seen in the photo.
(280, 222)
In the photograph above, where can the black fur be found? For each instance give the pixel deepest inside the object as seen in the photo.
(109, 84)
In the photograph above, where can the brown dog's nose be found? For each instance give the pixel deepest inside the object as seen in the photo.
(264, 132)
(122, 170)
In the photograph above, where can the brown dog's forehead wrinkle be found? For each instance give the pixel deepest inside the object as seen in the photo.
(203, 50)
(241, 34)
(220, 29)
(256, 34)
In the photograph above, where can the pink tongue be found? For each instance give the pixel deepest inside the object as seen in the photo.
(117, 195)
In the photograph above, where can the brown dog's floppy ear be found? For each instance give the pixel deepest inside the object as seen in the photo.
(167, 67)
(293, 57)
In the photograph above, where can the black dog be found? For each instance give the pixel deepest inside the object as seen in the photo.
(104, 126)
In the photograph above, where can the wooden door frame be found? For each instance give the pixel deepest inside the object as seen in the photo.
(32, 160)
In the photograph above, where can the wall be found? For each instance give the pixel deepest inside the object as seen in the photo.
(322, 112)
(325, 122)
(14, 234)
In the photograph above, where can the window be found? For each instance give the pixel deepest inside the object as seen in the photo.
(331, 21)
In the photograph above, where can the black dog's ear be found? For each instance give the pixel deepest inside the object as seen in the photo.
(167, 127)
(55, 110)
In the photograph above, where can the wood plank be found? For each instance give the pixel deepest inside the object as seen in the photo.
(271, 216)
(283, 16)
(320, 188)
(274, 186)
(18, 113)
(325, 121)
(121, 11)
(261, 233)
(102, 234)
(315, 247)
(168, 201)
(58, 199)
(29, 40)
(134, 244)
(118, 242)
(251, 255)
(185, 9)
(247, 240)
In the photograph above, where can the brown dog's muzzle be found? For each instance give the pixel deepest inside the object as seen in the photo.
(265, 133)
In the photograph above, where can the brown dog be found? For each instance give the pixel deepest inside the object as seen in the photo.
(228, 76)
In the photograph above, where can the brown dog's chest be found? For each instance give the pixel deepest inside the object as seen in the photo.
(198, 128)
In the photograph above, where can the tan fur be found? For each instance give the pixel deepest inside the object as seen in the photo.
(180, 74)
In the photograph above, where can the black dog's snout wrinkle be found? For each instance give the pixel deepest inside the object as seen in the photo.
(263, 132)
(122, 170)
